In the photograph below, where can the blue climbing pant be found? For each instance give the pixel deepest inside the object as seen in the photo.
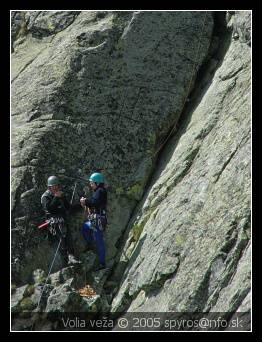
(91, 234)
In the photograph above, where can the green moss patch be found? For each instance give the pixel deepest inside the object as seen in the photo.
(29, 290)
(136, 231)
(27, 304)
(134, 192)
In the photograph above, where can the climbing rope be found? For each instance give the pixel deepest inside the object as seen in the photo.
(50, 269)
(189, 85)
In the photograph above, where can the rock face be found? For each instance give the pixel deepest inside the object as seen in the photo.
(95, 89)
(192, 252)
(104, 89)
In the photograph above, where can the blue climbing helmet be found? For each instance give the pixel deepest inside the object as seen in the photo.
(97, 177)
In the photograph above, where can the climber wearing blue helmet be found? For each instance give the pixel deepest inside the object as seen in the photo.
(96, 220)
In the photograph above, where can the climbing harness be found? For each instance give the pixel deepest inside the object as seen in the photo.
(97, 220)
(55, 222)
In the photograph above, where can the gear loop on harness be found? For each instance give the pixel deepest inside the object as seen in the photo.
(97, 220)
(56, 223)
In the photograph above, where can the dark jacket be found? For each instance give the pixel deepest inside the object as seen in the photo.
(54, 206)
(98, 201)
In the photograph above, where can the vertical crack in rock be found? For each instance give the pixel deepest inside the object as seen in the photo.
(177, 187)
